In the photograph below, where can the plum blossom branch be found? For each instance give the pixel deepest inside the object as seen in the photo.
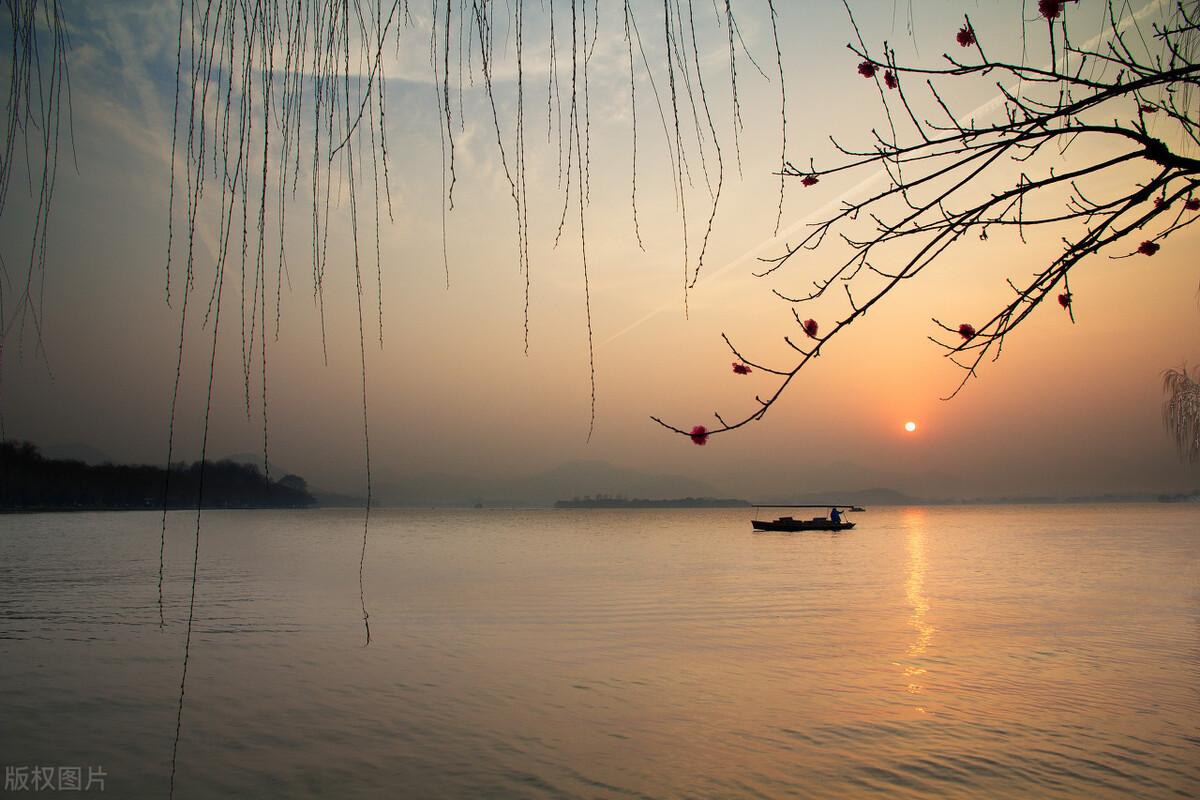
(1069, 131)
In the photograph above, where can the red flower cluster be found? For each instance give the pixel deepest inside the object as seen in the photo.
(889, 78)
(1148, 248)
(1064, 299)
(699, 435)
(1050, 9)
(809, 180)
(967, 331)
(740, 369)
(1192, 204)
(867, 69)
(1159, 202)
(1146, 108)
(966, 36)
(810, 327)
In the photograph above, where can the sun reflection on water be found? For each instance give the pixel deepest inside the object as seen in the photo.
(914, 521)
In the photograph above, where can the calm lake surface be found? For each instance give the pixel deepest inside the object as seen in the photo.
(1048, 651)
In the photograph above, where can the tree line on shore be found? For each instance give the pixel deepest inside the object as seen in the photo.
(31, 482)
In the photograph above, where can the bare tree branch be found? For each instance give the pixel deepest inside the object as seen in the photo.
(949, 178)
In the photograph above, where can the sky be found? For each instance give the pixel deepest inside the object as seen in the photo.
(1067, 409)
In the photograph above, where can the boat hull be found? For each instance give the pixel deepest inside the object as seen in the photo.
(795, 525)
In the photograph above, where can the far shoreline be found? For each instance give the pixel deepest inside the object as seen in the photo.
(1166, 500)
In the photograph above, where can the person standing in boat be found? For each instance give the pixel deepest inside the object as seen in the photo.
(835, 516)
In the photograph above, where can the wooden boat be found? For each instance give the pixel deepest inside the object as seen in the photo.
(790, 524)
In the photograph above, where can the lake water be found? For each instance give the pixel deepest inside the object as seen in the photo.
(1048, 651)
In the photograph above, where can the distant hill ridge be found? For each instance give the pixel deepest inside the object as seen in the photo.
(861, 497)
(622, 502)
(572, 479)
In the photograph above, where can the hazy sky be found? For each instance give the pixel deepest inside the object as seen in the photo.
(1067, 408)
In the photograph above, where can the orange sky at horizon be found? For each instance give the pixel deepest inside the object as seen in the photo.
(1067, 409)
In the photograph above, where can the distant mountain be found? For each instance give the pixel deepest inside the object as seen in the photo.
(859, 497)
(325, 499)
(573, 479)
(680, 502)
(579, 478)
(437, 489)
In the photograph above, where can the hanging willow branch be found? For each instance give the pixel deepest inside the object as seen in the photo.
(291, 87)
(281, 102)
(284, 102)
(1069, 131)
(36, 116)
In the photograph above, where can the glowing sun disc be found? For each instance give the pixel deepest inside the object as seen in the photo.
(910, 426)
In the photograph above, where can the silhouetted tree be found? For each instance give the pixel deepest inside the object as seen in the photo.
(30, 482)
(1181, 411)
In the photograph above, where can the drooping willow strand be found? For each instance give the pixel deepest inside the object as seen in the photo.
(37, 115)
(230, 51)
(279, 103)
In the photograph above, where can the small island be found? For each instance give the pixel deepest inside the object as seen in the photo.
(29, 482)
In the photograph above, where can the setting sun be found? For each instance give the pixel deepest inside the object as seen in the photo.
(910, 426)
